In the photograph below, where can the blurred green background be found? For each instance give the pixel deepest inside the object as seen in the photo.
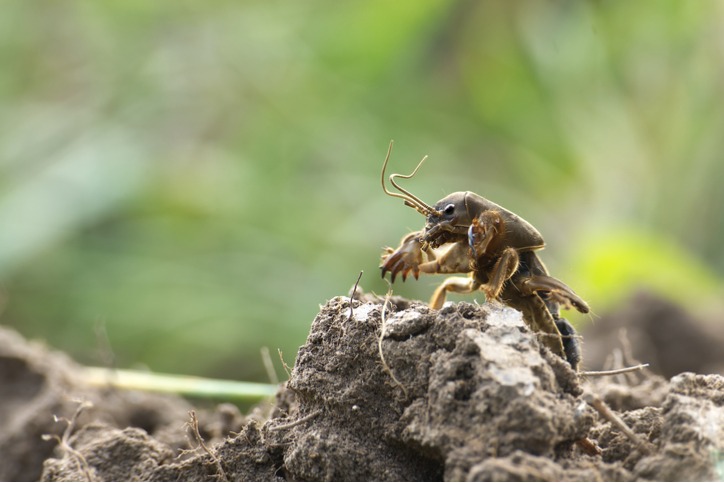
(195, 178)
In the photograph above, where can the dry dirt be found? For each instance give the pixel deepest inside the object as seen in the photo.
(464, 393)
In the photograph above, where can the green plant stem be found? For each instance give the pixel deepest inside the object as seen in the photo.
(190, 386)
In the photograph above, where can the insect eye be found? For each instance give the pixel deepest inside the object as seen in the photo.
(449, 209)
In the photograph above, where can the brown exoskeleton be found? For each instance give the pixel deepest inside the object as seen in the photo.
(466, 233)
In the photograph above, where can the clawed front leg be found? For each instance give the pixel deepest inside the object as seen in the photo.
(414, 256)
(405, 259)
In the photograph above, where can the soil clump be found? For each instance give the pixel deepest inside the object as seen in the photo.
(400, 393)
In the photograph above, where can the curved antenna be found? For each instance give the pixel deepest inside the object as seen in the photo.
(410, 199)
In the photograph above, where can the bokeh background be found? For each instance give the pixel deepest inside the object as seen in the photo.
(187, 181)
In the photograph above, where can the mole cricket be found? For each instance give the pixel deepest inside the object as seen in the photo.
(465, 233)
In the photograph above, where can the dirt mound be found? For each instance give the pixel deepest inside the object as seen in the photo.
(464, 393)
(38, 385)
(660, 332)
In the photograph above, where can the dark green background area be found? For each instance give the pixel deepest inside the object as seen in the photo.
(195, 178)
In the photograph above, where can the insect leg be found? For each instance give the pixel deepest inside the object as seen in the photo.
(405, 259)
(537, 316)
(483, 231)
(452, 284)
(558, 291)
(503, 269)
(571, 344)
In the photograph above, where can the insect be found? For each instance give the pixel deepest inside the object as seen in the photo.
(465, 233)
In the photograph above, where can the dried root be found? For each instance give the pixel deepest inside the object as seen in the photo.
(596, 403)
(303, 420)
(613, 372)
(379, 343)
(193, 424)
(351, 296)
(65, 446)
(287, 369)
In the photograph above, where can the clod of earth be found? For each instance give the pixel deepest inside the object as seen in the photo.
(464, 393)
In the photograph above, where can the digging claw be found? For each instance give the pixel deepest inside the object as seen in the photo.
(405, 259)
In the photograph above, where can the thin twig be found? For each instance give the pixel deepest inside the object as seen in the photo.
(287, 369)
(382, 336)
(613, 372)
(618, 362)
(625, 345)
(628, 350)
(297, 422)
(194, 425)
(596, 403)
(105, 351)
(269, 366)
(65, 446)
(352, 294)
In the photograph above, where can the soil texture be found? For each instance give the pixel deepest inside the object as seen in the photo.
(395, 392)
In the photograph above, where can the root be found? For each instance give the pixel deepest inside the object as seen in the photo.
(303, 420)
(596, 403)
(65, 446)
(613, 372)
(194, 425)
(351, 296)
(287, 369)
(589, 447)
(379, 343)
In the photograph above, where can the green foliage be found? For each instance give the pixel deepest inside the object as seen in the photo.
(610, 265)
(197, 177)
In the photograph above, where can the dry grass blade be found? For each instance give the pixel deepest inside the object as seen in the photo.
(269, 366)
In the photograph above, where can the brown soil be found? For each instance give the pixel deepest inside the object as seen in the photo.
(661, 333)
(464, 393)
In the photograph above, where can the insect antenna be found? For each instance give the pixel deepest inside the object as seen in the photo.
(410, 199)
